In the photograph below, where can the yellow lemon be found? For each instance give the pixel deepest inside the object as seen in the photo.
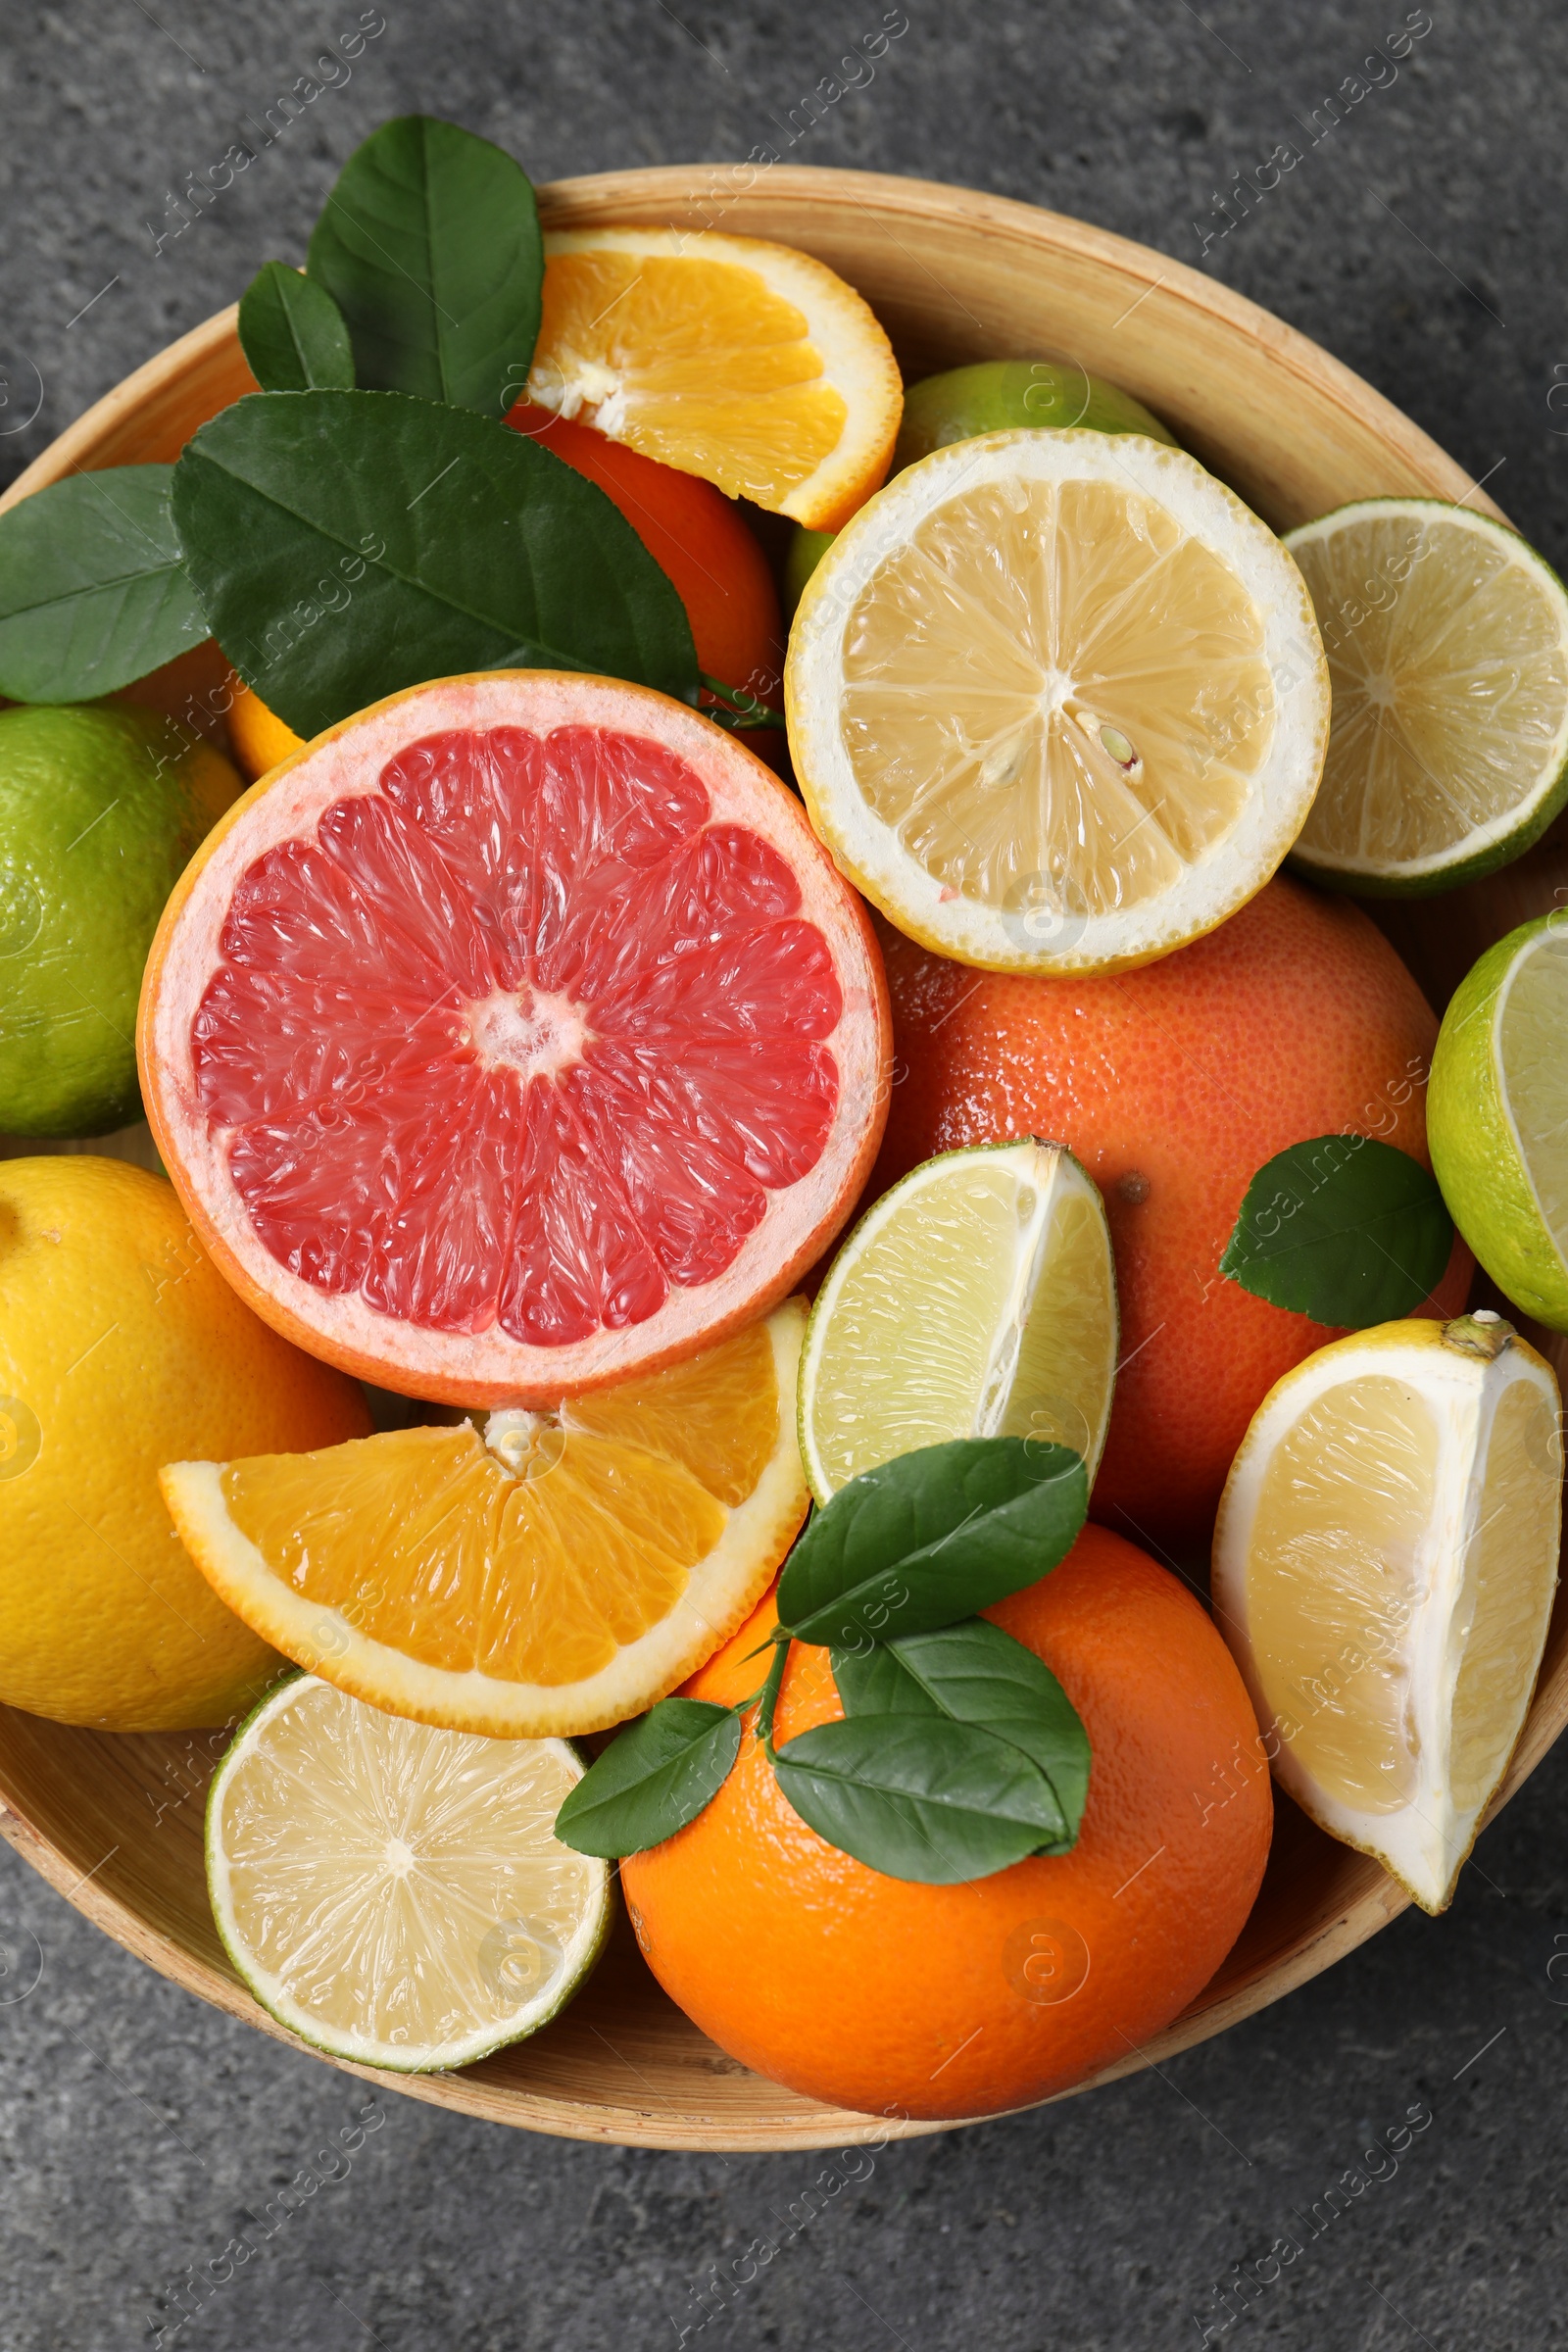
(122, 1347)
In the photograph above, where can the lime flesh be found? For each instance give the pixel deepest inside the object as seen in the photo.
(1497, 1115)
(1448, 646)
(393, 1893)
(977, 1298)
(100, 810)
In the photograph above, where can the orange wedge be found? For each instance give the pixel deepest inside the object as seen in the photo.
(745, 363)
(545, 1574)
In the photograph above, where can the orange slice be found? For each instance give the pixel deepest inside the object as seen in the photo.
(745, 363)
(548, 1574)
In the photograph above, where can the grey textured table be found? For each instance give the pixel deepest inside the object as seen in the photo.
(1422, 241)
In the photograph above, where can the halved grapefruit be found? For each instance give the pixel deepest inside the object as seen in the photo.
(515, 1037)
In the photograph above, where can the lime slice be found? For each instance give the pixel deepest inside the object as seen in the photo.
(1497, 1115)
(394, 1895)
(1383, 1567)
(976, 1300)
(1448, 646)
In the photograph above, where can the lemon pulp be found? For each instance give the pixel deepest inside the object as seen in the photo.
(1055, 683)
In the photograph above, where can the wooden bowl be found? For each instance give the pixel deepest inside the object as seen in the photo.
(115, 1823)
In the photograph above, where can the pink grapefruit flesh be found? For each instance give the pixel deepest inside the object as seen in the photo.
(516, 1037)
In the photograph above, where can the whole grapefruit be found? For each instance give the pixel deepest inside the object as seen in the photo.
(937, 2001)
(1173, 1085)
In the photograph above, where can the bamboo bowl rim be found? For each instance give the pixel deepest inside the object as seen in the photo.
(1199, 351)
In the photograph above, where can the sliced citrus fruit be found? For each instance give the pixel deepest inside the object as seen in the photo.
(747, 362)
(393, 1894)
(1056, 701)
(1448, 646)
(1497, 1115)
(976, 1300)
(1383, 1567)
(519, 1037)
(554, 1572)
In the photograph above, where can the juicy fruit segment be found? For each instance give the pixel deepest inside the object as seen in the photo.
(1056, 700)
(554, 1574)
(258, 736)
(1384, 1565)
(977, 1298)
(99, 810)
(507, 1058)
(1448, 645)
(745, 363)
(395, 1894)
(1497, 1115)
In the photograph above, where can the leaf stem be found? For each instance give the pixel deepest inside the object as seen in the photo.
(768, 1699)
(745, 710)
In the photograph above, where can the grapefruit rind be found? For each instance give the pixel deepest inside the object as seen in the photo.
(724, 1589)
(489, 1368)
(358, 2048)
(968, 928)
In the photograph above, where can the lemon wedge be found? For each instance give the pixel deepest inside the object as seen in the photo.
(1383, 1567)
(1056, 701)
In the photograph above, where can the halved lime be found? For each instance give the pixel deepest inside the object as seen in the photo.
(976, 1300)
(396, 1894)
(1497, 1115)
(1448, 645)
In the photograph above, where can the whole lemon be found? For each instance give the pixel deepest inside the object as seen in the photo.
(122, 1347)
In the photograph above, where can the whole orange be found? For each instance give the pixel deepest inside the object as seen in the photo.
(1173, 1085)
(697, 536)
(935, 2001)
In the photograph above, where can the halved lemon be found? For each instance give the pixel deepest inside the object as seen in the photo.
(393, 1894)
(1448, 646)
(1056, 701)
(552, 1573)
(1497, 1115)
(976, 1300)
(1384, 1568)
(745, 363)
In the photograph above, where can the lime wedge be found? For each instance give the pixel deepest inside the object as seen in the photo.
(1497, 1115)
(395, 1894)
(976, 1300)
(1448, 645)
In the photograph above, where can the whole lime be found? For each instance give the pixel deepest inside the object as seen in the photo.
(997, 396)
(993, 395)
(100, 810)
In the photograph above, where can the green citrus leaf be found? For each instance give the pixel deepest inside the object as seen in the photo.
(918, 1797)
(1342, 1228)
(430, 245)
(932, 1537)
(347, 544)
(292, 333)
(654, 1778)
(93, 591)
(975, 1673)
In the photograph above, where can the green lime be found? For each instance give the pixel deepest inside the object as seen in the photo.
(393, 1893)
(1446, 638)
(1497, 1115)
(975, 1300)
(995, 395)
(100, 810)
